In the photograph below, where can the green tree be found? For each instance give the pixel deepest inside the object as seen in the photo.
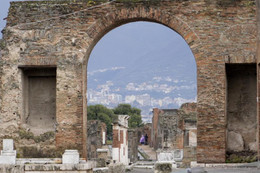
(135, 119)
(102, 113)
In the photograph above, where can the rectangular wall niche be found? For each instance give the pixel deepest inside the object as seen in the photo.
(39, 95)
(241, 108)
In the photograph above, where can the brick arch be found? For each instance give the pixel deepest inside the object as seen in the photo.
(64, 35)
(117, 18)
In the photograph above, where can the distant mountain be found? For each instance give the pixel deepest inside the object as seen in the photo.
(142, 62)
(166, 61)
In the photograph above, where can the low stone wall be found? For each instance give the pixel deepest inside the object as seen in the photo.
(50, 168)
(12, 169)
(113, 168)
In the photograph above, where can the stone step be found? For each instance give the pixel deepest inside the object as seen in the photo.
(145, 163)
(144, 166)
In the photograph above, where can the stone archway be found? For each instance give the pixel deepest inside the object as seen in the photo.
(118, 18)
(64, 35)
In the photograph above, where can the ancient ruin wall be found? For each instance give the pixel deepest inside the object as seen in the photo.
(62, 34)
(95, 131)
(133, 142)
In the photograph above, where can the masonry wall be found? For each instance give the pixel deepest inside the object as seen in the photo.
(95, 137)
(62, 34)
(120, 144)
(168, 129)
(176, 128)
(133, 142)
(155, 131)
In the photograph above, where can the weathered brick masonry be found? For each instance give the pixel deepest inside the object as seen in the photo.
(62, 34)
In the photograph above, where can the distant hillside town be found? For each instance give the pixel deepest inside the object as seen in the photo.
(144, 96)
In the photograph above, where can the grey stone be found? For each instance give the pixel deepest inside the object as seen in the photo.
(163, 167)
(8, 144)
(101, 170)
(235, 141)
(8, 155)
(117, 168)
(12, 168)
(70, 157)
(252, 146)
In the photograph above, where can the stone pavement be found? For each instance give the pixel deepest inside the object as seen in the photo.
(232, 170)
(149, 151)
(221, 170)
(138, 170)
(208, 170)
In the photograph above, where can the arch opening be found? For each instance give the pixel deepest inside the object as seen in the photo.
(153, 60)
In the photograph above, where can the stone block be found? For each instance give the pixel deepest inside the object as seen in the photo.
(8, 159)
(102, 153)
(165, 156)
(178, 155)
(174, 155)
(100, 162)
(101, 170)
(12, 168)
(235, 141)
(252, 146)
(8, 144)
(8, 155)
(117, 168)
(194, 164)
(163, 167)
(70, 157)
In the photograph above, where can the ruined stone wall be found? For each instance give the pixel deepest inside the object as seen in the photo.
(95, 137)
(178, 131)
(120, 144)
(133, 142)
(155, 131)
(168, 128)
(188, 116)
(62, 34)
(177, 127)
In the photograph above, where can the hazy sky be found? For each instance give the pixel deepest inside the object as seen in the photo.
(136, 40)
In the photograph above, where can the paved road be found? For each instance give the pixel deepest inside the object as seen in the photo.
(209, 170)
(238, 170)
(135, 170)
